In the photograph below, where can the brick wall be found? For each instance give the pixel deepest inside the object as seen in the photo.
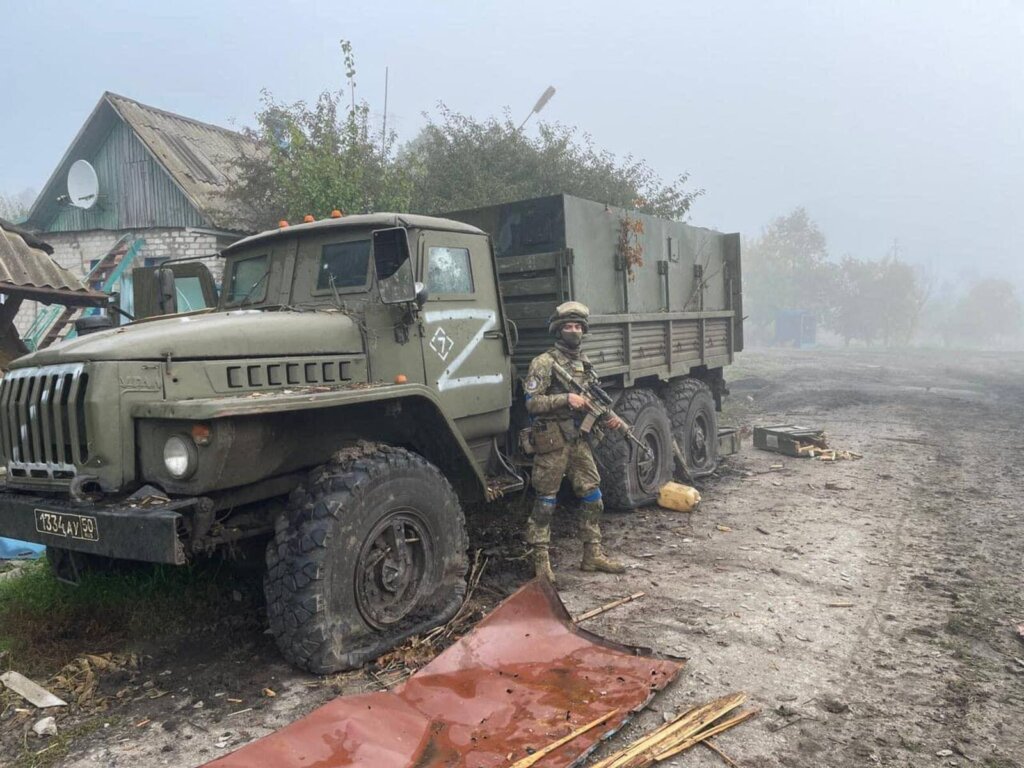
(78, 250)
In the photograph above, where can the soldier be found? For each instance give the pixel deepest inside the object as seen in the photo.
(560, 450)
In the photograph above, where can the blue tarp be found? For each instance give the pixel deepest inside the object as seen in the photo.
(12, 549)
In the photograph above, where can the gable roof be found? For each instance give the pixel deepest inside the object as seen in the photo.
(198, 157)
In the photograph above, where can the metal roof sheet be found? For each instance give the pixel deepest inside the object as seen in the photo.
(525, 677)
(200, 157)
(26, 269)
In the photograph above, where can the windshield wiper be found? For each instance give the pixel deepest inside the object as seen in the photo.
(252, 288)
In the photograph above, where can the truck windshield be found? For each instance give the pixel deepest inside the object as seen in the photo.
(247, 280)
(347, 263)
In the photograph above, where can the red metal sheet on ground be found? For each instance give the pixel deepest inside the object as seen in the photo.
(523, 678)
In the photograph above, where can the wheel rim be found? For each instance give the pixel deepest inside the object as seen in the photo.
(393, 563)
(648, 466)
(699, 441)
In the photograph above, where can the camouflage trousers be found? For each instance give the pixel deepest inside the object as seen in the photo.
(575, 461)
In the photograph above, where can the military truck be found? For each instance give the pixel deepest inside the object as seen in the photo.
(354, 390)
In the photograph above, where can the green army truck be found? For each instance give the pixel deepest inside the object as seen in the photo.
(355, 387)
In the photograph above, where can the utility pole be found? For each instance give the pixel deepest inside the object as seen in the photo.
(384, 128)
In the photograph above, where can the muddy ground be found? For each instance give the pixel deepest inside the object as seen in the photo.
(868, 607)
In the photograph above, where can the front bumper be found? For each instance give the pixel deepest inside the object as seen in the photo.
(116, 529)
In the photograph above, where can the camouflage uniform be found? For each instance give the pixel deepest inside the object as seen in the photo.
(561, 450)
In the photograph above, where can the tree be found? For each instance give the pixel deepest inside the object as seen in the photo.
(990, 311)
(313, 159)
(460, 162)
(15, 208)
(787, 267)
(877, 300)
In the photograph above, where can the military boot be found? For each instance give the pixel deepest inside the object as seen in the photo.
(590, 532)
(542, 563)
(538, 536)
(594, 559)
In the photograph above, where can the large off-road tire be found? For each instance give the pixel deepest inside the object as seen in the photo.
(370, 550)
(691, 407)
(628, 478)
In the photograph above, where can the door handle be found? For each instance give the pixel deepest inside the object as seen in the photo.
(494, 335)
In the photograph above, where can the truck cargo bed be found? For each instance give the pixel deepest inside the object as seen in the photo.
(677, 305)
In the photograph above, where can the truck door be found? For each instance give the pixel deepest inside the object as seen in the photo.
(464, 348)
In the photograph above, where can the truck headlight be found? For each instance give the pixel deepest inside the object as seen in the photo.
(180, 456)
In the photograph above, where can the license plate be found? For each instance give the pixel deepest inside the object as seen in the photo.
(67, 525)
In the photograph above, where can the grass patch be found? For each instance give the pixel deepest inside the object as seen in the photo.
(35, 756)
(45, 623)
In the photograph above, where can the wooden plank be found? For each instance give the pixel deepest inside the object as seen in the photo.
(656, 316)
(529, 310)
(32, 692)
(59, 325)
(540, 754)
(530, 286)
(530, 262)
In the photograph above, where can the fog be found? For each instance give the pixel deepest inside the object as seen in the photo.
(887, 122)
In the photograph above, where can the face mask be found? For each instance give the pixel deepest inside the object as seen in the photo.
(572, 339)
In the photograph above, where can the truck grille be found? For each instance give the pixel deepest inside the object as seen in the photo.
(42, 421)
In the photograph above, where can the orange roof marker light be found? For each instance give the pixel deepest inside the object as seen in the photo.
(400, 378)
(282, 224)
(336, 214)
(308, 218)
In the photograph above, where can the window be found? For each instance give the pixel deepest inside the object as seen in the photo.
(190, 294)
(249, 280)
(449, 271)
(347, 263)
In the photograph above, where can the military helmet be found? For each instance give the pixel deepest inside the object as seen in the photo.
(569, 312)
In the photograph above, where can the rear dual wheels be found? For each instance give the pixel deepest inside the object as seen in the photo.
(691, 408)
(685, 412)
(371, 550)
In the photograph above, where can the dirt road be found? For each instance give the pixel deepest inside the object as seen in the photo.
(867, 606)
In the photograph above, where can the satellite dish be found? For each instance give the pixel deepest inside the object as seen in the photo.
(83, 186)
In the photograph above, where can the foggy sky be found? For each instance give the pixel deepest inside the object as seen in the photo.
(885, 120)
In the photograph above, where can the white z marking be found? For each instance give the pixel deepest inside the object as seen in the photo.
(445, 381)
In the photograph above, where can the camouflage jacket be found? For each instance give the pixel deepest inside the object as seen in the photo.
(546, 398)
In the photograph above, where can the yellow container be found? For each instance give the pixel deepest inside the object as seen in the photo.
(681, 498)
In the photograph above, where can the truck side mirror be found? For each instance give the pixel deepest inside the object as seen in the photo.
(422, 294)
(393, 264)
(168, 293)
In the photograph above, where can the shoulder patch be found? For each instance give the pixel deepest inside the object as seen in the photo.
(532, 384)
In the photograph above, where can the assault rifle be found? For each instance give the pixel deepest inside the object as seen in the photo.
(599, 405)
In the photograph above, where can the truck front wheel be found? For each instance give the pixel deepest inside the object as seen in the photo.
(371, 550)
(631, 478)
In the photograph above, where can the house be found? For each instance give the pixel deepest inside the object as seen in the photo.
(133, 170)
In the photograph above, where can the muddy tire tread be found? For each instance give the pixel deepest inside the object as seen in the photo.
(298, 553)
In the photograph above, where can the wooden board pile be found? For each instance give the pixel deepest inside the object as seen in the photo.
(692, 727)
(824, 453)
